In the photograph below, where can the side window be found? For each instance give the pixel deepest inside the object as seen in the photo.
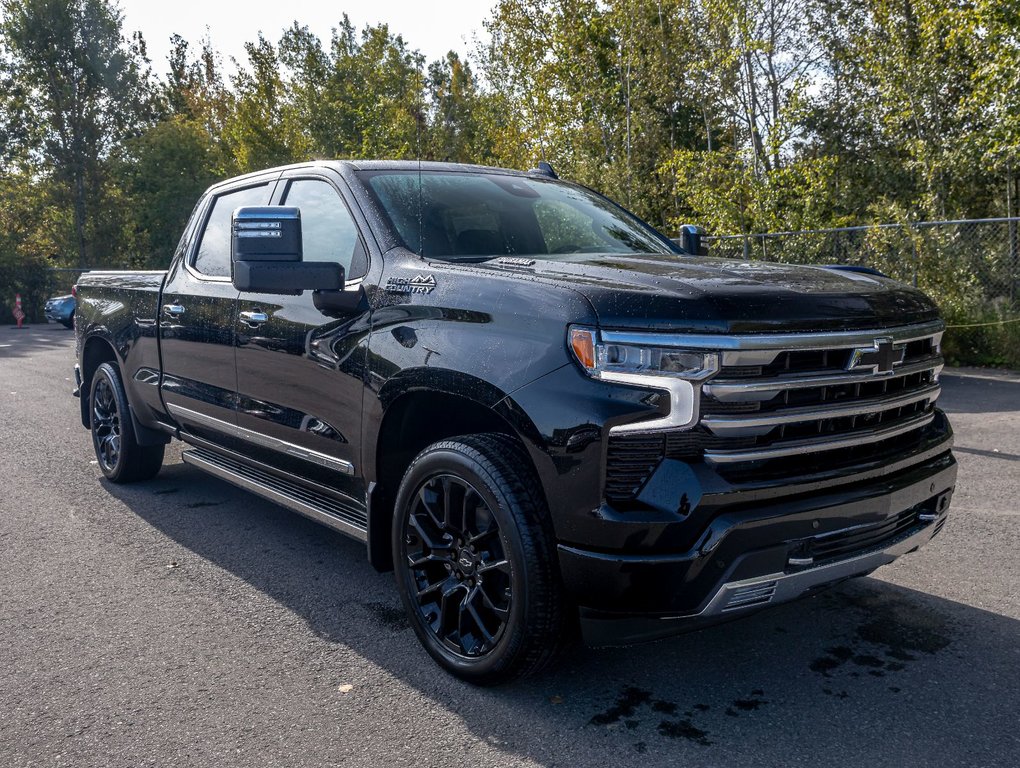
(328, 233)
(213, 257)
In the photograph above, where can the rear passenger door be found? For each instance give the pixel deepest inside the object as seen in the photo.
(299, 370)
(198, 320)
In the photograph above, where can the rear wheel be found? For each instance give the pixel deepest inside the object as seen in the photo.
(475, 561)
(120, 456)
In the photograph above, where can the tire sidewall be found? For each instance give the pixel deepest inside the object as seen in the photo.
(112, 377)
(448, 461)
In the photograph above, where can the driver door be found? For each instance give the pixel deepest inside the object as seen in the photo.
(299, 369)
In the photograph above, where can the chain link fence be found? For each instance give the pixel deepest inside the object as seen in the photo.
(971, 268)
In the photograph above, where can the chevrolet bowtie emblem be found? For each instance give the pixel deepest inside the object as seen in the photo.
(882, 357)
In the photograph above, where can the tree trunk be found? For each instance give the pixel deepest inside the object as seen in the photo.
(79, 218)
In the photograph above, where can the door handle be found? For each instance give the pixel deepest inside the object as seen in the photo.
(174, 310)
(254, 318)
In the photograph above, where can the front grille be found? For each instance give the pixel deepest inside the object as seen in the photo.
(773, 412)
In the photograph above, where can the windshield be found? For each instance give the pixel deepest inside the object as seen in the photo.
(474, 216)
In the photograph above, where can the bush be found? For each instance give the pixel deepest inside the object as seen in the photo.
(988, 335)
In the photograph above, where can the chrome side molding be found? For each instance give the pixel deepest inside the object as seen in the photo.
(265, 441)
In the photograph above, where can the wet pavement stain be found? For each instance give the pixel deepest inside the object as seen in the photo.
(632, 699)
(749, 705)
(166, 491)
(200, 504)
(892, 633)
(841, 652)
(678, 723)
(894, 653)
(626, 705)
(866, 660)
(392, 617)
(825, 664)
(684, 729)
(925, 636)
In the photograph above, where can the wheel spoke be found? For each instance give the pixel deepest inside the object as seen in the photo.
(429, 505)
(469, 512)
(448, 523)
(430, 588)
(432, 557)
(449, 607)
(430, 542)
(501, 612)
(489, 637)
(499, 565)
(483, 535)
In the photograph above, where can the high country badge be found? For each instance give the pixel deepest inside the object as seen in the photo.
(416, 284)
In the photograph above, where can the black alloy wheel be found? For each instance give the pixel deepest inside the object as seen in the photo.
(457, 559)
(105, 425)
(475, 560)
(118, 452)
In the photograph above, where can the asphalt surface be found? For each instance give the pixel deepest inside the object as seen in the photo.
(184, 622)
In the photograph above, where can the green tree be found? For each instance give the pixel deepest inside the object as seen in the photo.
(85, 89)
(264, 128)
(162, 174)
(455, 131)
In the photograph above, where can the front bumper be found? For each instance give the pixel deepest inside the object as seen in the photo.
(755, 555)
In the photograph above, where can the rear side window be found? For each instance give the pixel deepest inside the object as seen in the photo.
(213, 257)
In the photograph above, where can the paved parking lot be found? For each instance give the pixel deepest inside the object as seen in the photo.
(183, 622)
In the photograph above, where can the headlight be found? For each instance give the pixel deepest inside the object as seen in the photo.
(599, 358)
(678, 371)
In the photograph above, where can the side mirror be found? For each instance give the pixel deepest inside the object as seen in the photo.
(692, 240)
(266, 256)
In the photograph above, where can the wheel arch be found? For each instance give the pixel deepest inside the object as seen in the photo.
(412, 421)
(95, 351)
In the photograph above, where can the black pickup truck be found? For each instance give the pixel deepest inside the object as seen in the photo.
(541, 413)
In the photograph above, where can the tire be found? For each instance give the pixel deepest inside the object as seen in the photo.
(120, 456)
(475, 561)
(69, 324)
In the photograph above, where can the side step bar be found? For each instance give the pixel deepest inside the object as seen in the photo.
(319, 507)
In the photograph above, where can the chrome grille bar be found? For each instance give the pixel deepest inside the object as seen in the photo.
(758, 423)
(779, 341)
(743, 390)
(816, 445)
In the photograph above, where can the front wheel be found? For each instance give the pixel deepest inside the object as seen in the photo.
(475, 560)
(120, 456)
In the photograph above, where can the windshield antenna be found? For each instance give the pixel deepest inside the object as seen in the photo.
(418, 121)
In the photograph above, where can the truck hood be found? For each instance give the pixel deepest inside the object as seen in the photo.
(711, 295)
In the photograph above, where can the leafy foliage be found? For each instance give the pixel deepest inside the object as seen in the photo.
(740, 115)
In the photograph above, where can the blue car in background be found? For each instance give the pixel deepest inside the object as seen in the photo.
(60, 309)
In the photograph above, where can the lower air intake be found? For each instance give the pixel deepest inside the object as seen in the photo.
(751, 595)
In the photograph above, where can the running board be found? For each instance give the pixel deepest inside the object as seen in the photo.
(331, 512)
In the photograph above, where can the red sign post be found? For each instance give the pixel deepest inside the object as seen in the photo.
(19, 315)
